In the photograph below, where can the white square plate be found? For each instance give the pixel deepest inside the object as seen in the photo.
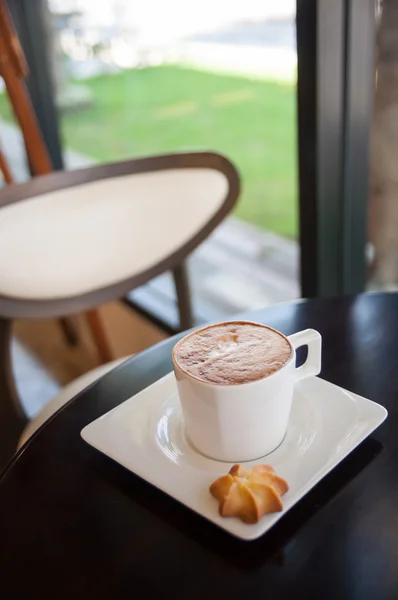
(145, 434)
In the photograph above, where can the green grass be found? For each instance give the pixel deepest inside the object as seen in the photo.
(161, 109)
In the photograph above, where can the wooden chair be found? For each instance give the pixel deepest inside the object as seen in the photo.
(70, 241)
(14, 69)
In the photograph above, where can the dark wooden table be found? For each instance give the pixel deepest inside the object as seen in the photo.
(73, 524)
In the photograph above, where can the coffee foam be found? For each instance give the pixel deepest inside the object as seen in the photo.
(232, 353)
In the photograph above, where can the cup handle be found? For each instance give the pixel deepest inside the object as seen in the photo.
(312, 339)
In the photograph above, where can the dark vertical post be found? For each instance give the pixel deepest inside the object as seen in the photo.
(330, 140)
(335, 42)
(32, 22)
(320, 132)
(360, 89)
(306, 18)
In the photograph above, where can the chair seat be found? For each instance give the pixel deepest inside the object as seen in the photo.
(83, 238)
(66, 394)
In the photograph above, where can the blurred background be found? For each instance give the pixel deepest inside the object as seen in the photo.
(300, 96)
(136, 79)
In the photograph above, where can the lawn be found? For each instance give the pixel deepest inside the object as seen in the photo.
(161, 109)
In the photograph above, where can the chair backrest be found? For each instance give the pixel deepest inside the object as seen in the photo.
(70, 241)
(14, 69)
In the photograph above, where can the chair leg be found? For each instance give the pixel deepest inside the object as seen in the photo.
(98, 332)
(69, 329)
(12, 416)
(5, 169)
(181, 281)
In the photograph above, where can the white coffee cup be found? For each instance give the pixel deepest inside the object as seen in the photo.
(240, 422)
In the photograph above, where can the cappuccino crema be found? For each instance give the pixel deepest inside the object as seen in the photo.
(232, 353)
